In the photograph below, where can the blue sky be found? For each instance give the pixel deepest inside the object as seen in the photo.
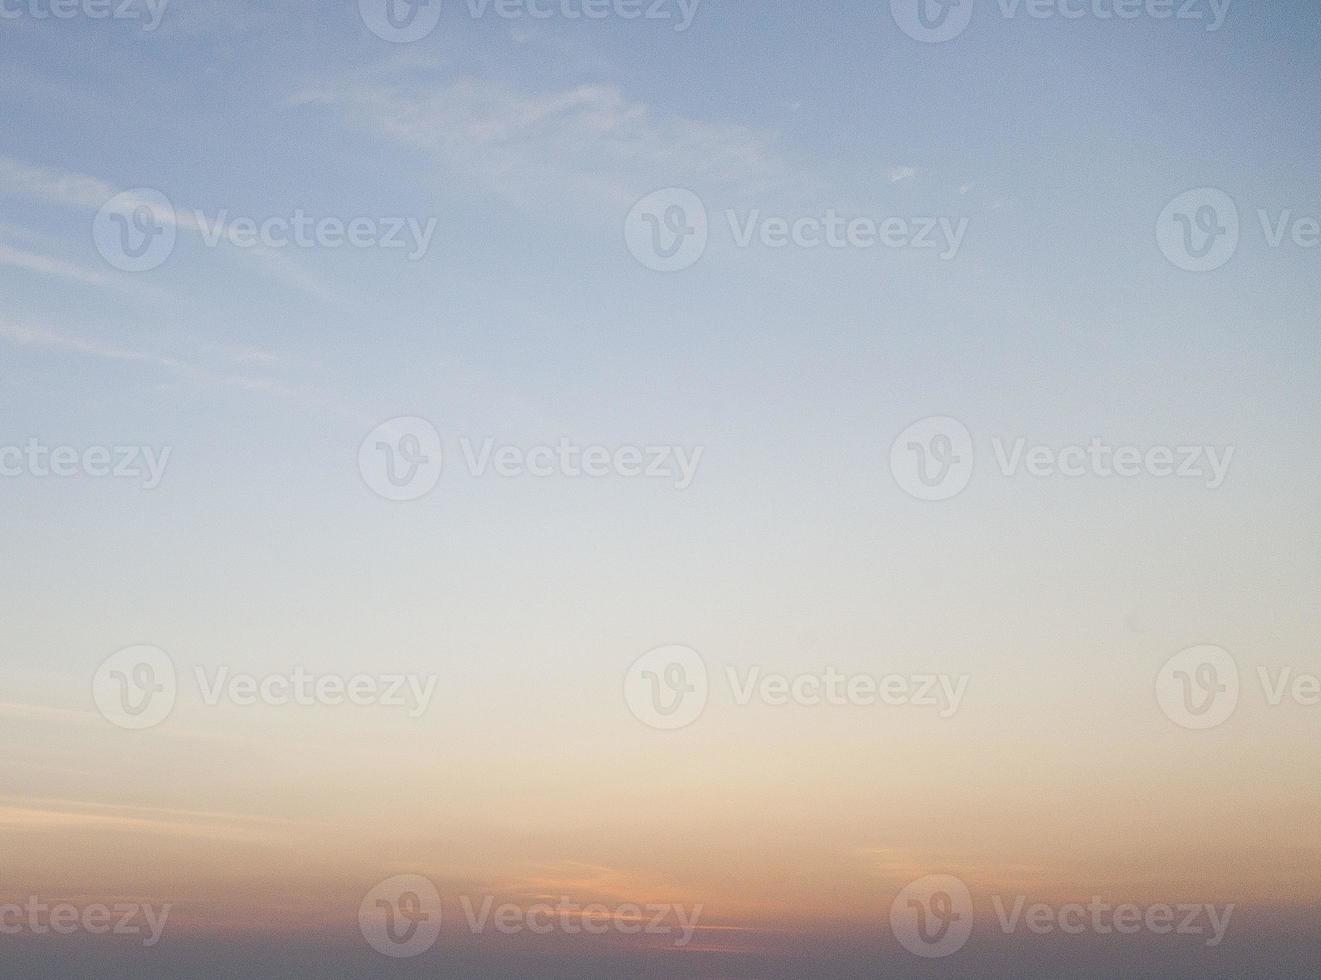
(1058, 320)
(1059, 142)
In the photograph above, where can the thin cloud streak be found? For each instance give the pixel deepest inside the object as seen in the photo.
(42, 338)
(91, 193)
(591, 140)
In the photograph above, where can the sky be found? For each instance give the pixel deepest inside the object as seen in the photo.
(767, 463)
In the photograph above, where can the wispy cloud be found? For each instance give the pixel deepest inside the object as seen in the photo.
(69, 190)
(25, 336)
(91, 193)
(46, 815)
(27, 259)
(250, 355)
(32, 262)
(45, 265)
(41, 337)
(590, 142)
(898, 175)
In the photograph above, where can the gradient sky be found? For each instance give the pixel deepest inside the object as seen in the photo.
(1059, 320)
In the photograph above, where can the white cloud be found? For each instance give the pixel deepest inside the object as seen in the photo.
(69, 190)
(25, 336)
(900, 174)
(45, 265)
(91, 193)
(43, 338)
(32, 262)
(590, 141)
